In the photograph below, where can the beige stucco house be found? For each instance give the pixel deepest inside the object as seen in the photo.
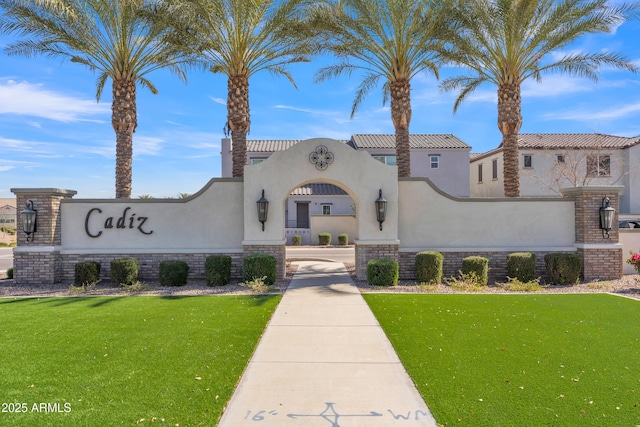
(549, 162)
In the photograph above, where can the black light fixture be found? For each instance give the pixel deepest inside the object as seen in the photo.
(263, 210)
(29, 220)
(606, 217)
(381, 209)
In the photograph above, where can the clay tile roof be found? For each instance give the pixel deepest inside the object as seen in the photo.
(574, 140)
(318, 189)
(433, 141)
(270, 145)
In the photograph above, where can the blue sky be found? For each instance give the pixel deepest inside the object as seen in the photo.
(53, 133)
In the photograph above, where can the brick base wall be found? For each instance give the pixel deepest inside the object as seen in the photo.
(602, 264)
(277, 251)
(32, 268)
(365, 253)
(452, 264)
(149, 264)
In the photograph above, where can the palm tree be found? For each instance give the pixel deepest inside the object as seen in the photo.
(240, 38)
(107, 36)
(505, 42)
(392, 40)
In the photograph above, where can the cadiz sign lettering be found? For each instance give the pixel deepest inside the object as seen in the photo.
(126, 221)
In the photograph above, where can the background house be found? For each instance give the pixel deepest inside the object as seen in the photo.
(8, 218)
(441, 158)
(549, 162)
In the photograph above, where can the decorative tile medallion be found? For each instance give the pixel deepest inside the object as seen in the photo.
(321, 157)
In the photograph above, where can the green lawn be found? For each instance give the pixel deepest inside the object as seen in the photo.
(519, 360)
(118, 360)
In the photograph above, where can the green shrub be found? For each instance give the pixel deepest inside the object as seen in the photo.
(87, 273)
(259, 265)
(563, 268)
(324, 239)
(217, 269)
(296, 240)
(429, 267)
(343, 239)
(10, 273)
(173, 273)
(477, 266)
(382, 272)
(124, 271)
(521, 266)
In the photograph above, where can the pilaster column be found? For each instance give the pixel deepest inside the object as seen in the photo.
(601, 256)
(38, 261)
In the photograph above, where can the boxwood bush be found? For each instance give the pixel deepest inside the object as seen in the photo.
(382, 272)
(296, 240)
(86, 272)
(563, 268)
(10, 273)
(343, 239)
(521, 266)
(476, 266)
(217, 269)
(259, 265)
(173, 273)
(124, 271)
(429, 267)
(324, 239)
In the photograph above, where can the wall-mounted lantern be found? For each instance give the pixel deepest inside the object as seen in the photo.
(381, 209)
(29, 220)
(263, 210)
(606, 217)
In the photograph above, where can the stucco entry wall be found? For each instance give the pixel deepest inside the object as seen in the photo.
(354, 171)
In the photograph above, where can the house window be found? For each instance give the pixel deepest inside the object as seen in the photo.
(434, 160)
(494, 169)
(326, 209)
(387, 160)
(560, 158)
(257, 160)
(480, 173)
(598, 165)
(528, 160)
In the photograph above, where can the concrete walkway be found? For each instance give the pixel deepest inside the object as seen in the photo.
(324, 361)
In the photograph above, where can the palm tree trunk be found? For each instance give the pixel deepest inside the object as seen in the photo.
(401, 117)
(124, 121)
(509, 123)
(238, 120)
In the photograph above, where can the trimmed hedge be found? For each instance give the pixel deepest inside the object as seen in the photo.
(173, 273)
(382, 272)
(124, 271)
(217, 269)
(563, 268)
(259, 265)
(86, 272)
(477, 266)
(343, 239)
(521, 266)
(324, 239)
(296, 240)
(10, 273)
(429, 267)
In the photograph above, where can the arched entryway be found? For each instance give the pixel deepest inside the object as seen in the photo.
(324, 161)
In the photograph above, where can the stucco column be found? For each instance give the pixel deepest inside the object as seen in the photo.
(39, 261)
(601, 257)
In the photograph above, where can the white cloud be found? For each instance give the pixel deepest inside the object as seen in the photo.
(28, 99)
(6, 168)
(218, 100)
(591, 115)
(147, 145)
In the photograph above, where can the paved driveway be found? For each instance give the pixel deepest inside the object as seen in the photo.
(6, 258)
